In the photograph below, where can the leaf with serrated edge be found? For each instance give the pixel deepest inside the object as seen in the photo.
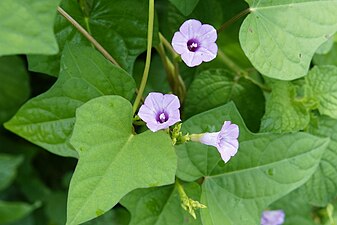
(281, 37)
(112, 160)
(47, 120)
(161, 205)
(283, 112)
(27, 27)
(266, 167)
(322, 80)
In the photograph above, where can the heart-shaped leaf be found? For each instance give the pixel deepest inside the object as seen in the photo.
(27, 27)
(266, 167)
(47, 120)
(113, 160)
(281, 37)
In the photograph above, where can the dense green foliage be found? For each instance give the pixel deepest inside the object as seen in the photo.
(73, 151)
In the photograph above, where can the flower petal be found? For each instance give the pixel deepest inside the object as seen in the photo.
(154, 101)
(171, 102)
(190, 28)
(207, 34)
(191, 58)
(228, 149)
(209, 52)
(179, 43)
(229, 130)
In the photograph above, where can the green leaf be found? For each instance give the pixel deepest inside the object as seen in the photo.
(116, 216)
(8, 169)
(283, 112)
(326, 46)
(47, 120)
(266, 167)
(279, 37)
(322, 80)
(327, 59)
(113, 161)
(13, 211)
(297, 209)
(185, 6)
(119, 26)
(322, 186)
(14, 86)
(161, 206)
(215, 87)
(27, 27)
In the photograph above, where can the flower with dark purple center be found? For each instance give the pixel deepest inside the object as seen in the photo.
(160, 111)
(226, 140)
(272, 217)
(195, 42)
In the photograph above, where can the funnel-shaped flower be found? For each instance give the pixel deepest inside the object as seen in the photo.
(160, 111)
(226, 140)
(272, 217)
(195, 42)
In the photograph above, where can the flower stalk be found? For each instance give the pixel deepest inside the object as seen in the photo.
(148, 57)
(187, 203)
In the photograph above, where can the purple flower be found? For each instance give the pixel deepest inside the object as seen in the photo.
(226, 140)
(160, 111)
(272, 217)
(195, 42)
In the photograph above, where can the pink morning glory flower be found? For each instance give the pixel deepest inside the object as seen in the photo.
(226, 140)
(160, 111)
(195, 42)
(272, 217)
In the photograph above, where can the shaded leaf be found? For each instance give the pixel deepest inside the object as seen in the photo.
(14, 86)
(215, 87)
(8, 169)
(185, 6)
(13, 211)
(119, 26)
(161, 206)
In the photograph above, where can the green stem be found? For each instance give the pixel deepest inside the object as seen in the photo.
(240, 72)
(167, 45)
(148, 57)
(234, 19)
(85, 33)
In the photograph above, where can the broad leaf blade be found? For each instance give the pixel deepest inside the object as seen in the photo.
(47, 120)
(32, 31)
(215, 87)
(266, 167)
(14, 211)
(322, 186)
(103, 133)
(14, 86)
(185, 6)
(8, 169)
(124, 37)
(281, 37)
